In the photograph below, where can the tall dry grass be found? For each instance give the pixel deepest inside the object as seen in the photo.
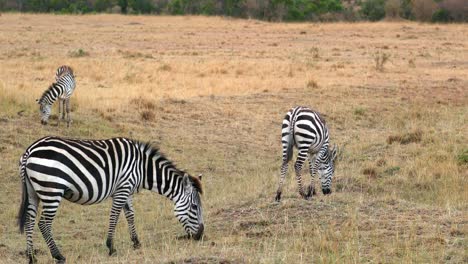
(212, 92)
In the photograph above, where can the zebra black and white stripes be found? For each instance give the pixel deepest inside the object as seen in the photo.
(60, 90)
(62, 70)
(307, 130)
(90, 171)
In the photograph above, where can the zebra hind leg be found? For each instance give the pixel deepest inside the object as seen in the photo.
(311, 189)
(284, 169)
(49, 210)
(29, 225)
(130, 215)
(120, 198)
(301, 157)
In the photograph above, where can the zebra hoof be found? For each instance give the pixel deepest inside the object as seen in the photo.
(137, 245)
(61, 260)
(32, 260)
(112, 252)
(278, 197)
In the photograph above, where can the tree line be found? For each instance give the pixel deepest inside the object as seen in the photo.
(270, 10)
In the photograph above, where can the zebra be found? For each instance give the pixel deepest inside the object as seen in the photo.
(62, 70)
(61, 90)
(306, 129)
(88, 172)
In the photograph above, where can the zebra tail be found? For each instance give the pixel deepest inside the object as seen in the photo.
(24, 197)
(23, 208)
(289, 150)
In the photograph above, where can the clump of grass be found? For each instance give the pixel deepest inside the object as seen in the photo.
(392, 170)
(147, 115)
(406, 138)
(165, 67)
(143, 103)
(311, 83)
(78, 53)
(462, 158)
(370, 173)
(315, 52)
(380, 58)
(359, 111)
(411, 63)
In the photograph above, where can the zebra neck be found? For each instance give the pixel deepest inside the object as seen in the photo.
(163, 177)
(51, 94)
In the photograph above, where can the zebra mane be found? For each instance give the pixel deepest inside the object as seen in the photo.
(152, 151)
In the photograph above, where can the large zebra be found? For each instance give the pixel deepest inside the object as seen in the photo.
(88, 172)
(307, 130)
(61, 90)
(62, 70)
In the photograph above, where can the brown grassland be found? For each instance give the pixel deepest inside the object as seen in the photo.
(212, 92)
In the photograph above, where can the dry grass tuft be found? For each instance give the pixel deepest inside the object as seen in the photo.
(311, 83)
(147, 115)
(218, 102)
(370, 172)
(406, 138)
(380, 59)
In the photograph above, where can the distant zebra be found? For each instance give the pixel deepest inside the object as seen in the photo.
(61, 90)
(62, 70)
(90, 171)
(307, 130)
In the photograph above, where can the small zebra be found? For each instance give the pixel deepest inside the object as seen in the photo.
(307, 130)
(62, 70)
(61, 90)
(90, 171)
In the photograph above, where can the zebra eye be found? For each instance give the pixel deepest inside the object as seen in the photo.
(194, 207)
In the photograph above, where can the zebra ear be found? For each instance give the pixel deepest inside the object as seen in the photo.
(334, 152)
(200, 176)
(37, 101)
(187, 182)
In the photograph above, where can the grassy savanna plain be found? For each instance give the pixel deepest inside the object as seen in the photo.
(212, 93)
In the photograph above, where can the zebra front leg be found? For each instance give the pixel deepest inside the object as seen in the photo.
(301, 157)
(130, 215)
(284, 170)
(61, 113)
(49, 210)
(119, 200)
(67, 101)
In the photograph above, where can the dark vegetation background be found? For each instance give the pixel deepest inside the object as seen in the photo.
(271, 10)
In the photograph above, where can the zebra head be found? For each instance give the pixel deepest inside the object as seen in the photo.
(326, 169)
(45, 110)
(188, 209)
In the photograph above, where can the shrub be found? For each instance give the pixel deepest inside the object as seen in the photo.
(373, 9)
(457, 9)
(392, 8)
(441, 15)
(423, 9)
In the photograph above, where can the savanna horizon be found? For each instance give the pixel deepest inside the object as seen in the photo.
(211, 92)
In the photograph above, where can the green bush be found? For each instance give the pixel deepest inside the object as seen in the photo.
(102, 5)
(373, 9)
(141, 6)
(441, 15)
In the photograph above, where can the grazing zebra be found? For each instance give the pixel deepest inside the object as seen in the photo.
(88, 172)
(62, 70)
(61, 90)
(307, 130)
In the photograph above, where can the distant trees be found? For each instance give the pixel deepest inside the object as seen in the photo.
(271, 10)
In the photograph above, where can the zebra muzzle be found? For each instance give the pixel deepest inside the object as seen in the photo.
(199, 234)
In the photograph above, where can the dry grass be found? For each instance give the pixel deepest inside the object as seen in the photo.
(212, 93)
